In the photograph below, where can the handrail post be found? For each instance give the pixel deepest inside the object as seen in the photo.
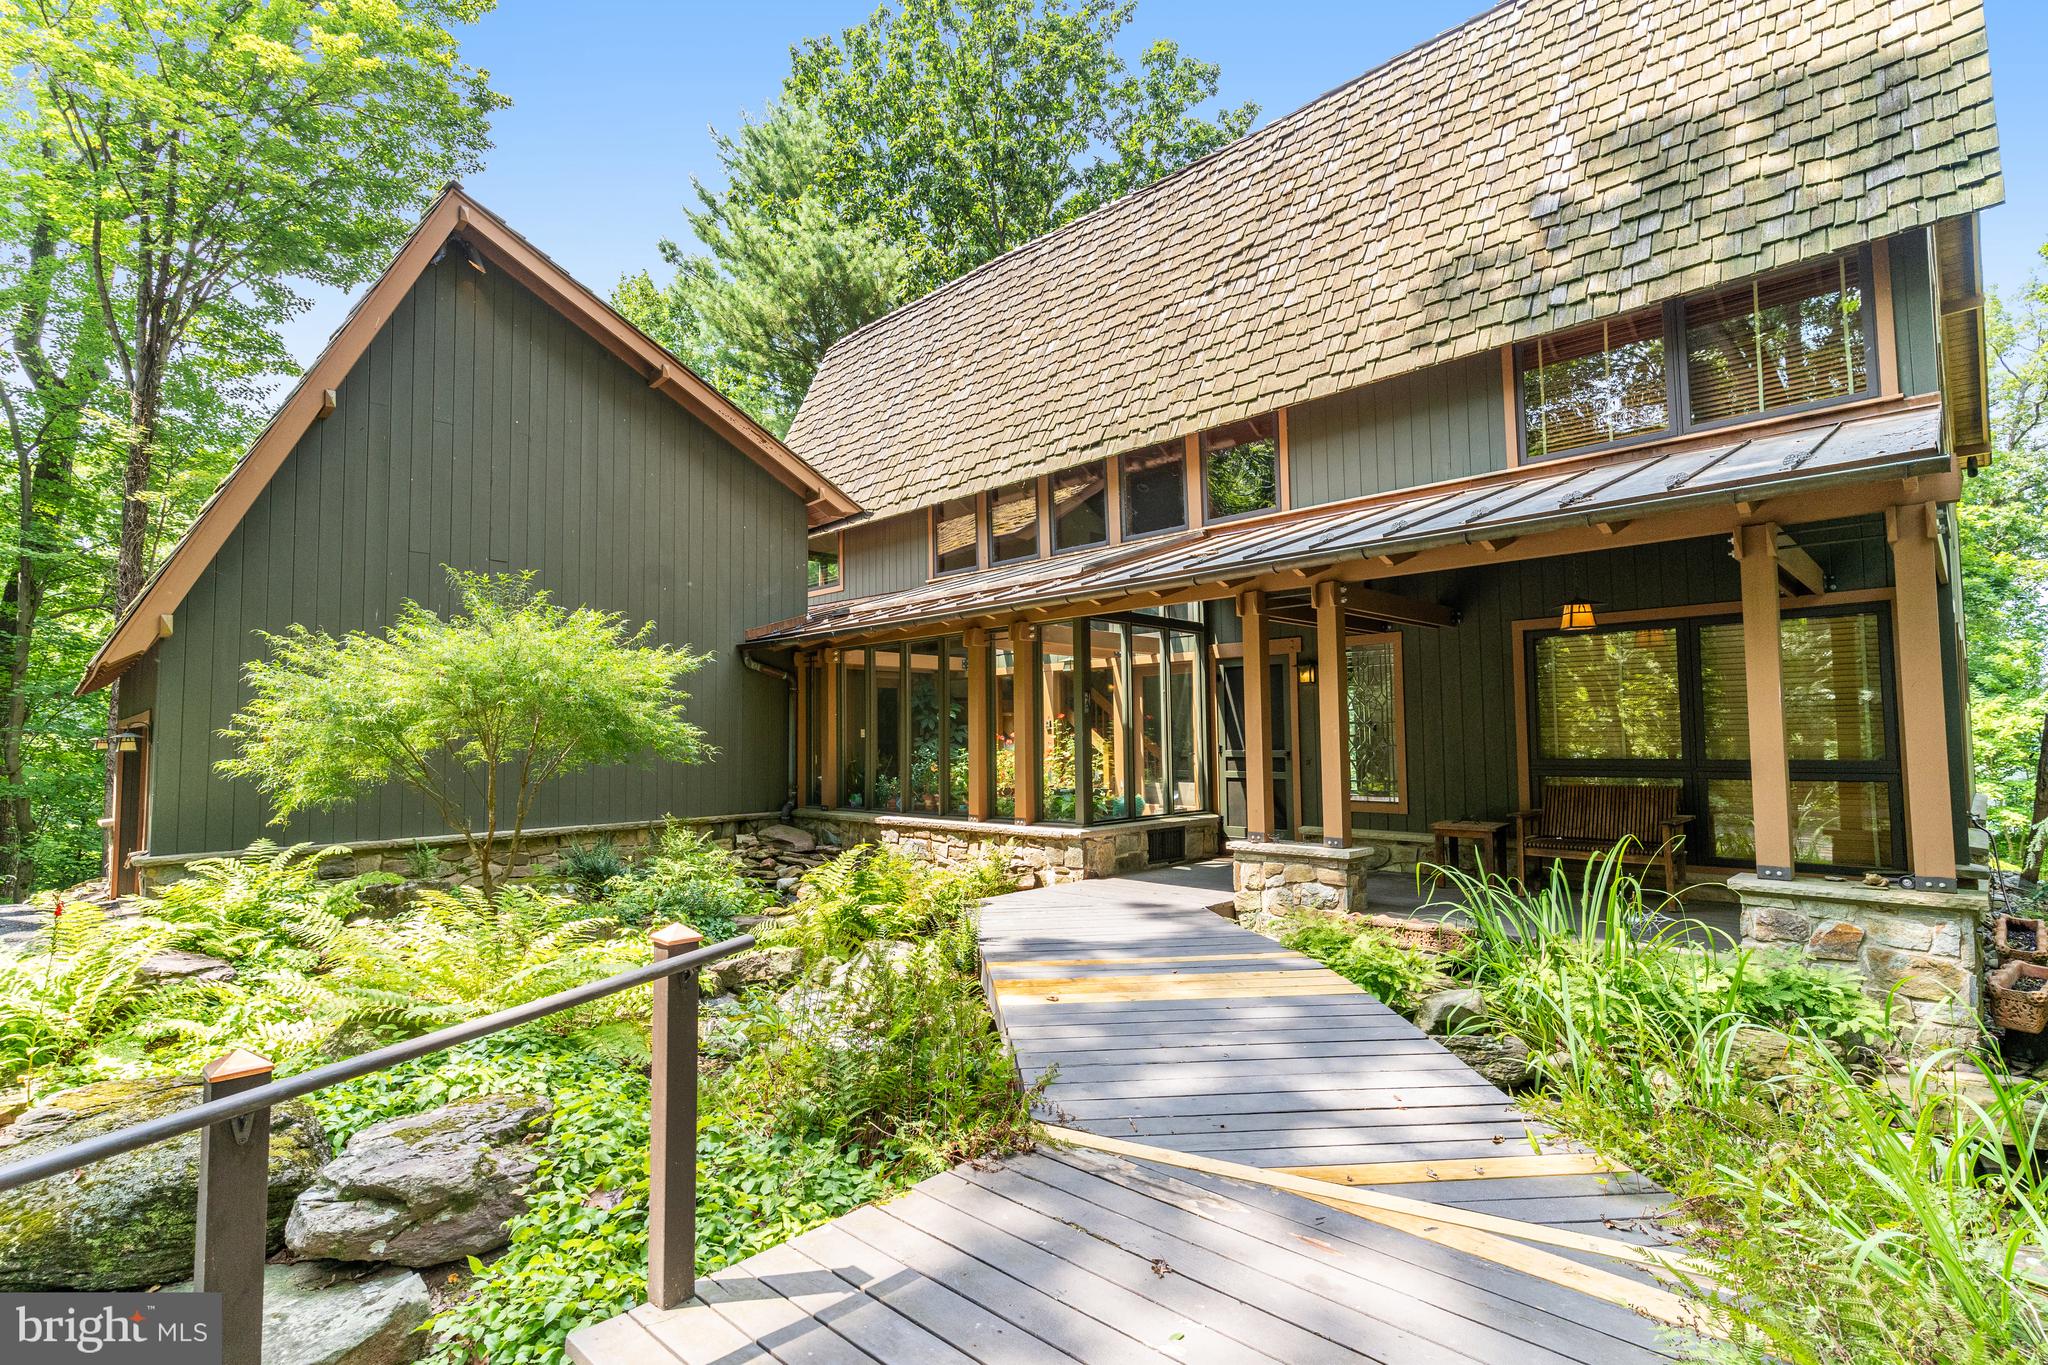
(672, 1130)
(234, 1207)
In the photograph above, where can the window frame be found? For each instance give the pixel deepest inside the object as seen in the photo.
(1202, 454)
(1370, 805)
(1693, 769)
(1110, 514)
(1034, 490)
(1677, 391)
(978, 519)
(838, 583)
(1125, 533)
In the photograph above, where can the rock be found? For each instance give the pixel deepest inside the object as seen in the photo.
(324, 1313)
(1446, 1011)
(127, 1222)
(422, 1189)
(384, 898)
(1836, 941)
(755, 967)
(1763, 1054)
(175, 964)
(721, 1027)
(789, 837)
(1503, 1061)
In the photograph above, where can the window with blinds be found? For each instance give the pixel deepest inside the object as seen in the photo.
(1609, 695)
(1594, 384)
(1373, 681)
(1013, 522)
(1783, 341)
(955, 542)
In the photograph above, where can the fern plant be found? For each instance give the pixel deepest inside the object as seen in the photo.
(270, 906)
(78, 986)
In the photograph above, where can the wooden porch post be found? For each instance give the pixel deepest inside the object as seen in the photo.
(1770, 777)
(1915, 535)
(1029, 740)
(803, 729)
(1333, 743)
(1258, 719)
(981, 734)
(828, 747)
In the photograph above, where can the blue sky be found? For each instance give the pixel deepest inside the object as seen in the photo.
(613, 101)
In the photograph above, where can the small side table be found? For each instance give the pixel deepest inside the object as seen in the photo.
(1487, 837)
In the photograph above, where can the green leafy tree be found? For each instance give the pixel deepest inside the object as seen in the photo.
(963, 128)
(783, 276)
(477, 712)
(2005, 579)
(203, 157)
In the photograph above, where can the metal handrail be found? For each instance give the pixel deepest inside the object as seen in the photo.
(233, 1121)
(124, 1140)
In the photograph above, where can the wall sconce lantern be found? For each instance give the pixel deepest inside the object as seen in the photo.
(1576, 616)
(124, 741)
(1305, 671)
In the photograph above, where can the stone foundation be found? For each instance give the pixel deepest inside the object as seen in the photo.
(1037, 855)
(1277, 878)
(1923, 943)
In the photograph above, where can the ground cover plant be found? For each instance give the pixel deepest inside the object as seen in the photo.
(1368, 958)
(1850, 1207)
(870, 1064)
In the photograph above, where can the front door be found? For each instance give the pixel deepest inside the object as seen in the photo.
(128, 816)
(1230, 731)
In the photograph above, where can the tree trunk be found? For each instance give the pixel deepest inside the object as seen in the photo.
(2031, 869)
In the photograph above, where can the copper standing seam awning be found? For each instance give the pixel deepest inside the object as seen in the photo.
(1894, 444)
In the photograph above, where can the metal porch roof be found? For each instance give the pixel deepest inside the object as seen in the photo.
(1892, 444)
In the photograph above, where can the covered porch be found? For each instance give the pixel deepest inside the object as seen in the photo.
(1732, 627)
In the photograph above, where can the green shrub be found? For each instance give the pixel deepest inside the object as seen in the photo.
(871, 892)
(73, 992)
(689, 880)
(271, 905)
(422, 862)
(1368, 958)
(590, 867)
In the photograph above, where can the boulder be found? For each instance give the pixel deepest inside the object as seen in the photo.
(127, 1222)
(1503, 1061)
(175, 964)
(755, 967)
(321, 1313)
(422, 1189)
(1448, 1011)
(788, 837)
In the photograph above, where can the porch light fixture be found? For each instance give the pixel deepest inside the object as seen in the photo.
(1576, 616)
(124, 741)
(1305, 671)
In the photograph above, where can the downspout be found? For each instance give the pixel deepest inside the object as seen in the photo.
(789, 718)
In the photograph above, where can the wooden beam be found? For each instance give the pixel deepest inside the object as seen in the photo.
(981, 731)
(1392, 606)
(1770, 780)
(1029, 741)
(1333, 742)
(1470, 1168)
(1915, 534)
(828, 742)
(1258, 719)
(1799, 569)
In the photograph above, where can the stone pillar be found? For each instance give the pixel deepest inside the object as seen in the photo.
(1290, 878)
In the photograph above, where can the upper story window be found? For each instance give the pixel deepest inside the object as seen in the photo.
(1013, 522)
(1080, 506)
(1778, 343)
(1594, 384)
(1155, 488)
(824, 565)
(956, 540)
(1786, 341)
(1241, 468)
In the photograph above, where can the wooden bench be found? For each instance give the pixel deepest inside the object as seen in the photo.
(1578, 822)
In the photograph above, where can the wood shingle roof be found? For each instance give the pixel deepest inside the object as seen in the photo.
(1547, 163)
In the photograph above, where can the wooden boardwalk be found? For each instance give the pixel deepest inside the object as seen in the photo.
(1185, 1052)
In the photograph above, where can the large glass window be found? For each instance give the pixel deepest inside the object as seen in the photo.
(1149, 694)
(953, 700)
(1241, 468)
(1059, 705)
(885, 791)
(1373, 706)
(1013, 522)
(1108, 723)
(1155, 488)
(1668, 703)
(1594, 384)
(1080, 506)
(1783, 341)
(927, 728)
(853, 730)
(1186, 721)
(956, 543)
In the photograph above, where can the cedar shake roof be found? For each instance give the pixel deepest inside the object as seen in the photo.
(1547, 163)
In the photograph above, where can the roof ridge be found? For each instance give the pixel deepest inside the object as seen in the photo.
(1147, 190)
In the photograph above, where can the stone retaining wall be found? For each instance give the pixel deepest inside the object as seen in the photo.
(1923, 943)
(1278, 878)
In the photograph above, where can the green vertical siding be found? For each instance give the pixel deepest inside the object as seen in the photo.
(887, 555)
(483, 430)
(1913, 313)
(1445, 422)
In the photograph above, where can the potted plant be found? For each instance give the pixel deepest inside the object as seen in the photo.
(2019, 939)
(2019, 997)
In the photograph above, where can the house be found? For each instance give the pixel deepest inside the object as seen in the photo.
(479, 409)
(1565, 416)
